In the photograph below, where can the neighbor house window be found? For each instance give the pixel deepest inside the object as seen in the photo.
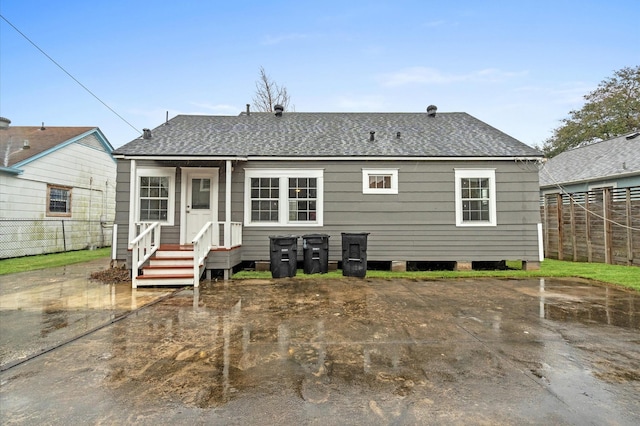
(58, 201)
(376, 181)
(283, 197)
(156, 195)
(475, 197)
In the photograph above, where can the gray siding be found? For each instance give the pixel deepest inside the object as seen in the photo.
(417, 224)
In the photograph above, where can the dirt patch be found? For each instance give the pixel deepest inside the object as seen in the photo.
(112, 276)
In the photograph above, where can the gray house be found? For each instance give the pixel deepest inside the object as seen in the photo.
(428, 187)
(614, 163)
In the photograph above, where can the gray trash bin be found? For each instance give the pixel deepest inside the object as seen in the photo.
(315, 248)
(354, 254)
(283, 256)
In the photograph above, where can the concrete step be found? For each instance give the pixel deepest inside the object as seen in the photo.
(144, 280)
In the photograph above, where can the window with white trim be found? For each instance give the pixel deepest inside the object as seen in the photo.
(276, 197)
(379, 181)
(58, 201)
(475, 192)
(155, 195)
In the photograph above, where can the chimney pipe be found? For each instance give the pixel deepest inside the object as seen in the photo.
(166, 122)
(4, 123)
(248, 110)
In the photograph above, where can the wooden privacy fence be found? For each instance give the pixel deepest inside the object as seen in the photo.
(602, 225)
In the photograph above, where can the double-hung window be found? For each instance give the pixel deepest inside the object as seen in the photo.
(58, 201)
(155, 189)
(475, 192)
(283, 197)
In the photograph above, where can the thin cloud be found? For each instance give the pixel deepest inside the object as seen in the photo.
(425, 75)
(270, 40)
(216, 109)
(363, 103)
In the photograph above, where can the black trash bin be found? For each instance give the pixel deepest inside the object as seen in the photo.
(354, 254)
(315, 249)
(283, 255)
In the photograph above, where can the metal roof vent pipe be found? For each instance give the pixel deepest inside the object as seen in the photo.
(248, 110)
(25, 144)
(4, 123)
(146, 134)
(431, 110)
(398, 135)
(279, 109)
(372, 136)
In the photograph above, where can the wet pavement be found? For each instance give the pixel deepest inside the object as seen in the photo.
(340, 351)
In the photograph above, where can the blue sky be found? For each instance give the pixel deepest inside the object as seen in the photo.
(518, 65)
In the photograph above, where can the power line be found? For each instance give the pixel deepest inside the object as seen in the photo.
(69, 74)
(562, 189)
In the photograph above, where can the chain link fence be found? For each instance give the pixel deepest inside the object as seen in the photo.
(26, 237)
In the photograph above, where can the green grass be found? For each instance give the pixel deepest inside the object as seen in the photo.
(43, 261)
(626, 276)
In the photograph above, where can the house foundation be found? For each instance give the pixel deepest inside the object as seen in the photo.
(398, 266)
(463, 265)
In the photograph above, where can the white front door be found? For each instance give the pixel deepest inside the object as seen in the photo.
(200, 201)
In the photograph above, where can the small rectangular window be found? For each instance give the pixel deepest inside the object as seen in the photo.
(58, 201)
(376, 181)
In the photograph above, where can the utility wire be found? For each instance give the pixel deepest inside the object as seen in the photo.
(543, 168)
(69, 74)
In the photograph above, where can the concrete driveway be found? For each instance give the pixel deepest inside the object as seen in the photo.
(345, 351)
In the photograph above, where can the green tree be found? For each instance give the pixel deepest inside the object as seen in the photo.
(611, 110)
(269, 94)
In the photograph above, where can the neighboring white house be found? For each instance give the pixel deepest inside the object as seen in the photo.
(57, 190)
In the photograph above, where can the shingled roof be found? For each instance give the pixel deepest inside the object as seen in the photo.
(296, 134)
(40, 139)
(615, 157)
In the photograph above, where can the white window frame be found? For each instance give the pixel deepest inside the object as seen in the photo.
(283, 201)
(470, 174)
(168, 172)
(379, 172)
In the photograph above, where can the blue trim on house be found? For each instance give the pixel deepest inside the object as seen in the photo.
(103, 141)
(11, 170)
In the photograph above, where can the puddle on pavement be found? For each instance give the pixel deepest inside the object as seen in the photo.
(208, 346)
(39, 312)
(388, 346)
(588, 304)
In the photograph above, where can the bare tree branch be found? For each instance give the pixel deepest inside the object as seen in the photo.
(269, 94)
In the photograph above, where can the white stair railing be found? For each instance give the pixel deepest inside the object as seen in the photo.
(143, 247)
(202, 244)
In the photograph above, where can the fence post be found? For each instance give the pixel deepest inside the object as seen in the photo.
(560, 227)
(587, 219)
(545, 207)
(629, 233)
(572, 214)
(608, 242)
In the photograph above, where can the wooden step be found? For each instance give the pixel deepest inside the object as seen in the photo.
(177, 279)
